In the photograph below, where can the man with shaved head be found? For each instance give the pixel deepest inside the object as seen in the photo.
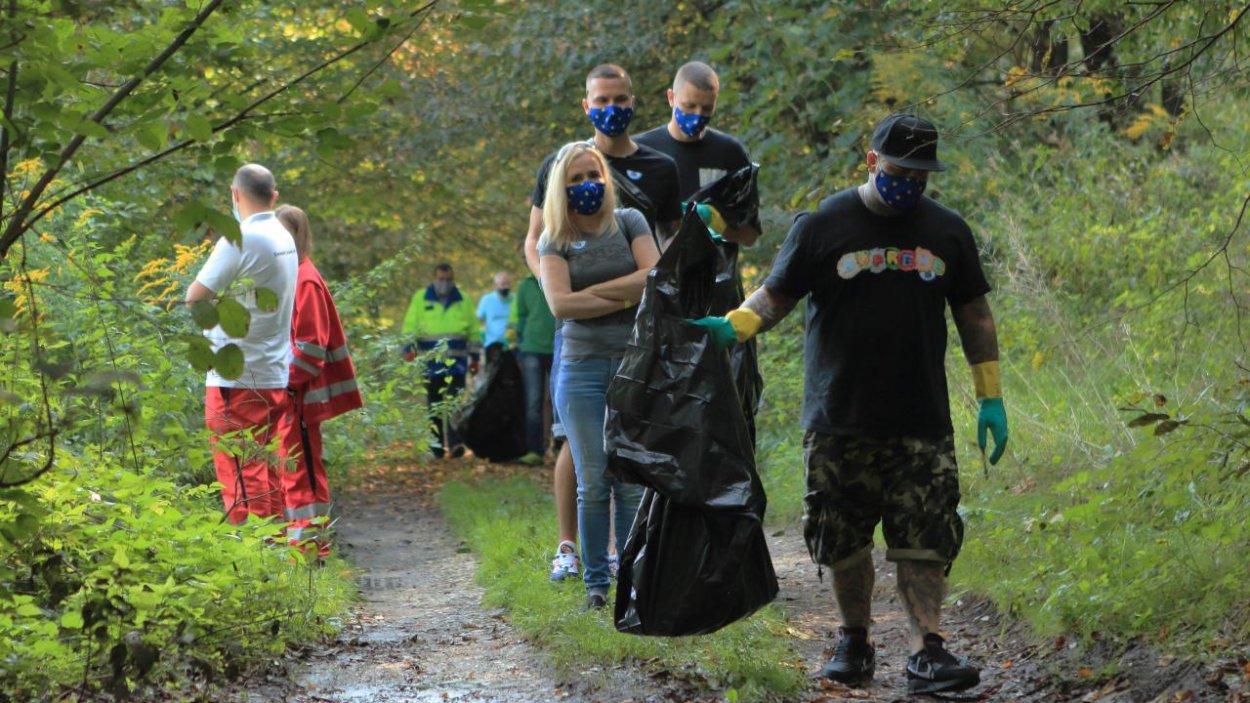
(702, 154)
(245, 413)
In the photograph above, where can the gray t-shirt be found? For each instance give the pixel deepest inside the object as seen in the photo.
(596, 258)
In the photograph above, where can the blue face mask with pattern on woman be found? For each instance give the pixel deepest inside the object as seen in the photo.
(586, 197)
(611, 120)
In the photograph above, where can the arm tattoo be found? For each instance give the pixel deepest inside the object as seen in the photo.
(771, 306)
(976, 328)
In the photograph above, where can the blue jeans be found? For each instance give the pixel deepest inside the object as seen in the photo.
(581, 396)
(557, 343)
(535, 369)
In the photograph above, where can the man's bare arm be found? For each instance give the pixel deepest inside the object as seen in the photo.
(977, 333)
(771, 306)
(198, 291)
(667, 230)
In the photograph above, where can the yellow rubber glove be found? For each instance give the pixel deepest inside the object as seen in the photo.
(712, 218)
(745, 322)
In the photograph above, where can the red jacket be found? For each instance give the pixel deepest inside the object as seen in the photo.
(322, 374)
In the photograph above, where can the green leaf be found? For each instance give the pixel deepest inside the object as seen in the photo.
(1167, 426)
(233, 317)
(204, 313)
(358, 19)
(93, 129)
(266, 300)
(1146, 419)
(189, 215)
(229, 361)
(224, 224)
(120, 558)
(72, 620)
(200, 354)
(153, 135)
(199, 128)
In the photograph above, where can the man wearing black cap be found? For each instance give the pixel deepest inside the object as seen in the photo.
(879, 264)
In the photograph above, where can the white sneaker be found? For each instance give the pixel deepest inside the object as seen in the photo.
(566, 564)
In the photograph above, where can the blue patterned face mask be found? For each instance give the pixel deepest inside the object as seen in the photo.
(234, 210)
(690, 125)
(899, 192)
(611, 120)
(586, 197)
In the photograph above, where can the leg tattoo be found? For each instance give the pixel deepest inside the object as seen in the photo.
(852, 586)
(921, 586)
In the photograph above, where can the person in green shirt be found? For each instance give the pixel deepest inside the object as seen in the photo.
(534, 327)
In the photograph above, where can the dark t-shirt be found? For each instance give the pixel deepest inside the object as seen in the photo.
(654, 173)
(700, 162)
(876, 319)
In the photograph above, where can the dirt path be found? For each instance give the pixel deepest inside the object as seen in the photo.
(1012, 669)
(421, 634)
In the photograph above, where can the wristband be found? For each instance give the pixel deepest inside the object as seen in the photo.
(987, 380)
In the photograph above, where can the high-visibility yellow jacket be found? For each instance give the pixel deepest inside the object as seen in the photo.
(430, 320)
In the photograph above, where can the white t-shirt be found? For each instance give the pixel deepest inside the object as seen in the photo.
(267, 259)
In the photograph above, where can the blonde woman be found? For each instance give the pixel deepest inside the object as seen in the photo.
(594, 260)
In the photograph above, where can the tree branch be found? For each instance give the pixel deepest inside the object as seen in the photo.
(239, 117)
(10, 95)
(18, 225)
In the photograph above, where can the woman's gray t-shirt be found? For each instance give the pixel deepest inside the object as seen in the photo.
(596, 258)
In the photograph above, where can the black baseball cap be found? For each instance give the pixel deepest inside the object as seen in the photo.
(907, 141)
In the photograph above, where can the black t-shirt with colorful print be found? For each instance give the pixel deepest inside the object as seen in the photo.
(876, 316)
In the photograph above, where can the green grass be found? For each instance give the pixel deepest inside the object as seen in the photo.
(510, 523)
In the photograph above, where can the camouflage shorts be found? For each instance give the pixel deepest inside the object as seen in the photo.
(910, 485)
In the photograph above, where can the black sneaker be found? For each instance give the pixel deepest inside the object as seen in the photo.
(596, 601)
(854, 659)
(933, 669)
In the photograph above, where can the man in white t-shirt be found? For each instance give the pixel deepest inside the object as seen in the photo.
(246, 413)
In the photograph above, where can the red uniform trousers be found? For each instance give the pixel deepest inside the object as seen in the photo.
(306, 492)
(244, 422)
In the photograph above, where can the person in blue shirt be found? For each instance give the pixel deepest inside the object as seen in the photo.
(494, 309)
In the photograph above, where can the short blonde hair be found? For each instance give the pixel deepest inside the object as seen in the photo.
(558, 228)
(296, 222)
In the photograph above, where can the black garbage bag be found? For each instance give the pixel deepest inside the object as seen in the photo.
(492, 424)
(696, 558)
(675, 422)
(690, 571)
(736, 196)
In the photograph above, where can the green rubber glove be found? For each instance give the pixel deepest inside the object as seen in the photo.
(719, 329)
(992, 417)
(712, 218)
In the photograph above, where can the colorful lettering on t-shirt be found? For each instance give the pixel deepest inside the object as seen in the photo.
(878, 260)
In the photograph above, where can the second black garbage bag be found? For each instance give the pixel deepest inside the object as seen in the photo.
(696, 558)
(493, 422)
